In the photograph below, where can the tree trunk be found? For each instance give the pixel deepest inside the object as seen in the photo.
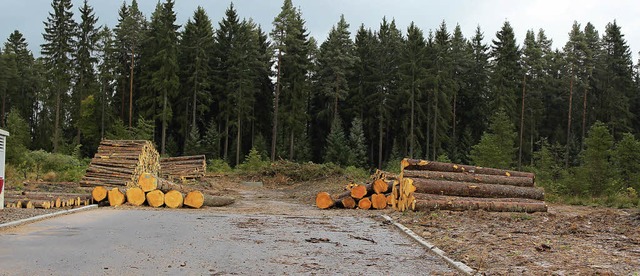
(584, 117)
(238, 146)
(274, 133)
(524, 83)
(467, 189)
(99, 193)
(380, 144)
(423, 165)
(155, 198)
(471, 178)
(164, 122)
(413, 102)
(196, 199)
(173, 199)
(131, 91)
(226, 138)
(56, 131)
(435, 122)
(566, 157)
(379, 201)
(427, 202)
(324, 200)
(135, 196)
(116, 197)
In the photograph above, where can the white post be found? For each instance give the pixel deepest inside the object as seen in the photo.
(3, 146)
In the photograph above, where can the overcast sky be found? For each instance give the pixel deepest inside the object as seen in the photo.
(555, 17)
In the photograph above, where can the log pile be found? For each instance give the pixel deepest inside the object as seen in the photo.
(183, 167)
(121, 162)
(44, 200)
(375, 195)
(158, 192)
(429, 185)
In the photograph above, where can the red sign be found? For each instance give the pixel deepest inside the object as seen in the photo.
(1, 184)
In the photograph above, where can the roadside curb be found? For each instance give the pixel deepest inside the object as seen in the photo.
(460, 266)
(45, 216)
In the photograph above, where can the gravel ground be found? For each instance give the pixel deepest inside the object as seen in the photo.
(13, 214)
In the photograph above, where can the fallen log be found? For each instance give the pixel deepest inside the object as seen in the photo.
(135, 196)
(424, 165)
(364, 204)
(434, 202)
(155, 198)
(99, 193)
(173, 199)
(147, 182)
(471, 177)
(348, 203)
(453, 188)
(378, 201)
(115, 197)
(197, 199)
(324, 200)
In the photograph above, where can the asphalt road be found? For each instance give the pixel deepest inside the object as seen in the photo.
(109, 241)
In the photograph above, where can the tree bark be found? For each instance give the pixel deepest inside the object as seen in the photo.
(566, 157)
(471, 178)
(466, 189)
(274, 133)
(423, 165)
(524, 83)
(425, 202)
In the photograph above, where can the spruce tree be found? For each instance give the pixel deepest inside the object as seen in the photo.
(357, 144)
(59, 32)
(497, 145)
(626, 159)
(193, 143)
(107, 76)
(596, 171)
(505, 77)
(211, 141)
(336, 150)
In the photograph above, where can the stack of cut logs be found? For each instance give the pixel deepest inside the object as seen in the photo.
(375, 195)
(157, 192)
(183, 167)
(44, 200)
(427, 185)
(121, 162)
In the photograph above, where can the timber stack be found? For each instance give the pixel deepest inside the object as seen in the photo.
(121, 162)
(158, 192)
(375, 195)
(183, 168)
(45, 200)
(429, 185)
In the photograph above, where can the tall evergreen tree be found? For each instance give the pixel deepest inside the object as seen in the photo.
(497, 145)
(59, 32)
(108, 63)
(335, 59)
(413, 75)
(336, 150)
(196, 46)
(85, 61)
(505, 76)
(358, 144)
(596, 170)
(474, 99)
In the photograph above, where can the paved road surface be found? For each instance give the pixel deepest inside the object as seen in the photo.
(108, 241)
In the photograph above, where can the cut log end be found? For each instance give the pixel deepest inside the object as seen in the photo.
(147, 182)
(173, 199)
(194, 199)
(135, 196)
(380, 186)
(115, 197)
(358, 191)
(364, 204)
(99, 193)
(348, 203)
(155, 198)
(324, 200)
(378, 201)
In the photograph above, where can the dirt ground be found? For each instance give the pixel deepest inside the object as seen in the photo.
(567, 240)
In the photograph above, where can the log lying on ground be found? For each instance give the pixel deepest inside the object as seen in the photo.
(115, 197)
(155, 198)
(454, 188)
(364, 204)
(196, 199)
(99, 193)
(428, 202)
(173, 199)
(378, 201)
(183, 167)
(324, 200)
(369, 190)
(358, 191)
(120, 162)
(135, 196)
(424, 165)
(471, 177)
(348, 203)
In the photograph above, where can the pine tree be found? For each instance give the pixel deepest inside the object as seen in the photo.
(107, 76)
(496, 148)
(358, 144)
(336, 150)
(473, 100)
(211, 141)
(193, 143)
(56, 51)
(460, 62)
